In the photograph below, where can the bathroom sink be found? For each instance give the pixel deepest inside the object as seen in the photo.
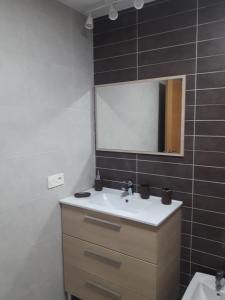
(109, 201)
(202, 287)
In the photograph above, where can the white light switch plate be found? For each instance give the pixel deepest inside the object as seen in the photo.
(55, 180)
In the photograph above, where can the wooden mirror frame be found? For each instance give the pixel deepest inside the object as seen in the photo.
(183, 100)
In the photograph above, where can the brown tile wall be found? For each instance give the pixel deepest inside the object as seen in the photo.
(170, 38)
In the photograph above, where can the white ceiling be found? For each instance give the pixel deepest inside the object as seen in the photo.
(84, 6)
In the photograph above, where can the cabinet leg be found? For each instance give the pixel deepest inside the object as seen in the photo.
(69, 297)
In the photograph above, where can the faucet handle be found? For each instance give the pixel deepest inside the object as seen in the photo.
(130, 183)
(220, 274)
(124, 187)
(127, 184)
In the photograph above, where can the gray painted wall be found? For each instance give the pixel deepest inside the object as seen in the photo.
(45, 128)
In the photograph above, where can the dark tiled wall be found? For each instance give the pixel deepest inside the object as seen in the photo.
(170, 38)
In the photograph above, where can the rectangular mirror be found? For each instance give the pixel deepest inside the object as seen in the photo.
(145, 116)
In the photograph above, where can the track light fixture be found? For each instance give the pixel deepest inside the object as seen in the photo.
(138, 4)
(113, 13)
(89, 24)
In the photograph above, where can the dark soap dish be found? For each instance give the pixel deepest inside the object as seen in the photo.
(82, 195)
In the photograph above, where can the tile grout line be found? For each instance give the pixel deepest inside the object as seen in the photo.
(161, 48)
(203, 224)
(166, 176)
(204, 120)
(146, 36)
(209, 136)
(209, 89)
(201, 210)
(203, 238)
(150, 161)
(146, 51)
(203, 252)
(137, 64)
(204, 266)
(137, 45)
(136, 172)
(150, 174)
(194, 137)
(207, 210)
(207, 104)
(164, 63)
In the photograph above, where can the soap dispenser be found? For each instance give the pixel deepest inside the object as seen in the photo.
(98, 182)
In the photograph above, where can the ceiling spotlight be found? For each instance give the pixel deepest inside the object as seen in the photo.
(89, 24)
(113, 13)
(138, 4)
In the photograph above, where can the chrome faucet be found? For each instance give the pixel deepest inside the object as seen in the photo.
(128, 189)
(219, 279)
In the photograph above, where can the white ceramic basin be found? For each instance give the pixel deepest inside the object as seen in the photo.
(109, 201)
(202, 287)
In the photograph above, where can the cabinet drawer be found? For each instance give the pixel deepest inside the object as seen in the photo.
(123, 270)
(130, 238)
(90, 287)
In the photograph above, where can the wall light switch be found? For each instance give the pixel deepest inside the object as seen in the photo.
(55, 180)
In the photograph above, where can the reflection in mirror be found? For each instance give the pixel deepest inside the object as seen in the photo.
(141, 116)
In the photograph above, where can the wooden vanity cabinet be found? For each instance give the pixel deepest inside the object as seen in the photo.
(107, 257)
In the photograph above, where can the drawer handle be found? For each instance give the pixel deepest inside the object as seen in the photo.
(98, 287)
(106, 260)
(105, 223)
